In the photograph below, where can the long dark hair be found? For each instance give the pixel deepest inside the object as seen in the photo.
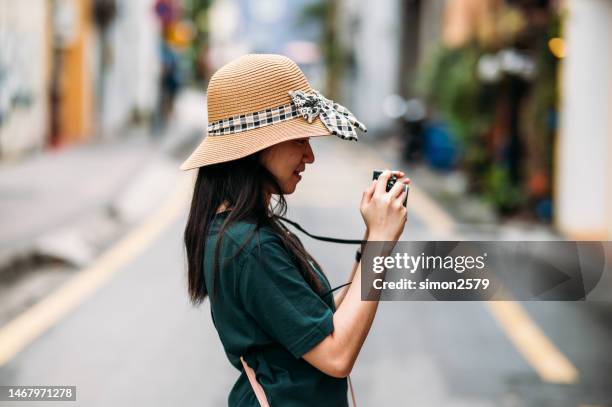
(244, 185)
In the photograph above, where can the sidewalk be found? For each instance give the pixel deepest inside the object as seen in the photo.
(70, 204)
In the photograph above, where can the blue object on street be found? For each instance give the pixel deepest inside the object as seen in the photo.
(441, 148)
(544, 209)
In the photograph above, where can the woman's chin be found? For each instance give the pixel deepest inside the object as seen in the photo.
(288, 190)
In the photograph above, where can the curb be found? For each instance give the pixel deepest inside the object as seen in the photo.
(77, 243)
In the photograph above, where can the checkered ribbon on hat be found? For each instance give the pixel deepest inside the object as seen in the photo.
(337, 118)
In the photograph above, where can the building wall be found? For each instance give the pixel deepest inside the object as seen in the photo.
(229, 38)
(131, 84)
(24, 63)
(38, 35)
(372, 33)
(76, 112)
(239, 27)
(584, 152)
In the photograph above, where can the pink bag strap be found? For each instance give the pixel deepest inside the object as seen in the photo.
(259, 391)
(261, 395)
(350, 383)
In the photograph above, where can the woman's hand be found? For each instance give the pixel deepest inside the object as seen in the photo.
(383, 212)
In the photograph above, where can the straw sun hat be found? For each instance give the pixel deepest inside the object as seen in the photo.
(260, 100)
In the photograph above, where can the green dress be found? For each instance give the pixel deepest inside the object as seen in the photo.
(266, 312)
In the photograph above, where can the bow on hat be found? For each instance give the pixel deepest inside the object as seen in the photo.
(337, 118)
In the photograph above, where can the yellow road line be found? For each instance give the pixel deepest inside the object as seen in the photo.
(429, 212)
(32, 323)
(530, 341)
(552, 366)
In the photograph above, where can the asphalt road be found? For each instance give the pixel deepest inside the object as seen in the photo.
(137, 341)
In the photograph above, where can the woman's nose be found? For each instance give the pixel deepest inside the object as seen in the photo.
(308, 154)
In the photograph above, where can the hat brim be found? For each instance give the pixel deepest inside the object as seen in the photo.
(229, 147)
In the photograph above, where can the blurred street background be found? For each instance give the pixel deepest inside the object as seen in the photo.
(498, 110)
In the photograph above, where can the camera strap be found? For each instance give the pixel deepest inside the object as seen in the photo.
(324, 239)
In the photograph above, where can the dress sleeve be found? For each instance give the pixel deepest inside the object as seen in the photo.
(282, 303)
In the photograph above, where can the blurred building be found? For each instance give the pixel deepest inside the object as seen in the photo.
(384, 44)
(584, 151)
(387, 42)
(239, 27)
(132, 66)
(72, 79)
(74, 69)
(25, 60)
(582, 145)
(371, 36)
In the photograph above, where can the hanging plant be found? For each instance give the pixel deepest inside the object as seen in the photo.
(450, 84)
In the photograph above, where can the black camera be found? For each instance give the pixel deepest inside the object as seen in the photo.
(391, 182)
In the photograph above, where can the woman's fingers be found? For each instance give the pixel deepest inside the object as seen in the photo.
(371, 189)
(398, 187)
(369, 192)
(402, 196)
(381, 183)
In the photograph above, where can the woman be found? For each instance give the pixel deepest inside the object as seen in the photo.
(270, 301)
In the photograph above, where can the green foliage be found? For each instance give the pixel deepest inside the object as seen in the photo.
(450, 84)
(448, 81)
(500, 191)
(197, 12)
(315, 11)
